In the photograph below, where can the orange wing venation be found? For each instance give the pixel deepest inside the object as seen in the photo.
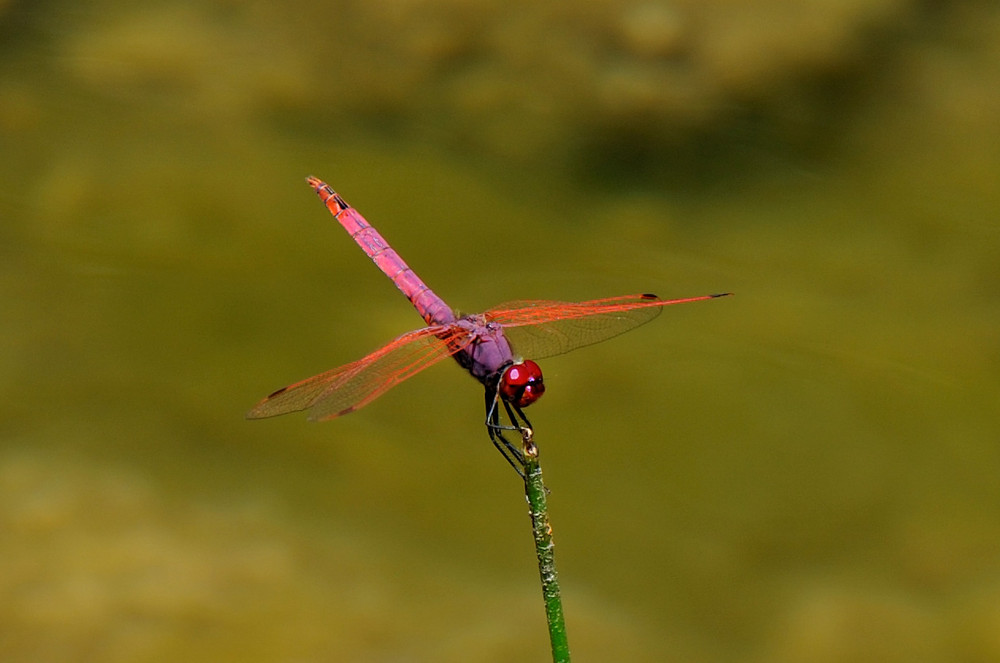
(542, 328)
(352, 386)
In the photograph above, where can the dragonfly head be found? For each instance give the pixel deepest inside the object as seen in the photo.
(521, 384)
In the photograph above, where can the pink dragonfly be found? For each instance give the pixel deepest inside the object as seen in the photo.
(482, 343)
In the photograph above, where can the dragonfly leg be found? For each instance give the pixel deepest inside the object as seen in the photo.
(523, 424)
(495, 428)
(523, 427)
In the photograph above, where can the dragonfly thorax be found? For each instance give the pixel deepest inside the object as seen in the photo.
(487, 352)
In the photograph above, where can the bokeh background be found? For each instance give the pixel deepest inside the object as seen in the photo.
(808, 471)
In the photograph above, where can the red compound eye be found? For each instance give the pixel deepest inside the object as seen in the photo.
(521, 384)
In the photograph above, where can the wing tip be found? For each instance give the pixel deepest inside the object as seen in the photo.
(647, 296)
(254, 413)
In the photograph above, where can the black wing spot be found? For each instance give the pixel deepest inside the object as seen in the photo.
(280, 391)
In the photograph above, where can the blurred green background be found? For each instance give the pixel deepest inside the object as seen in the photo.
(807, 471)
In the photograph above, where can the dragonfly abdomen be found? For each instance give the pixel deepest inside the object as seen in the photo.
(431, 308)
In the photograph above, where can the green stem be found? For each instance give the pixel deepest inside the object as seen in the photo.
(535, 492)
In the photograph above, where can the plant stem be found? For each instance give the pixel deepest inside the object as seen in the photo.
(534, 490)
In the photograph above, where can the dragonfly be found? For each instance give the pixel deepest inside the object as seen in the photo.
(482, 343)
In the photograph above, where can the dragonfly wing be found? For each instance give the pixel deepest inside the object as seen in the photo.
(347, 388)
(541, 328)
